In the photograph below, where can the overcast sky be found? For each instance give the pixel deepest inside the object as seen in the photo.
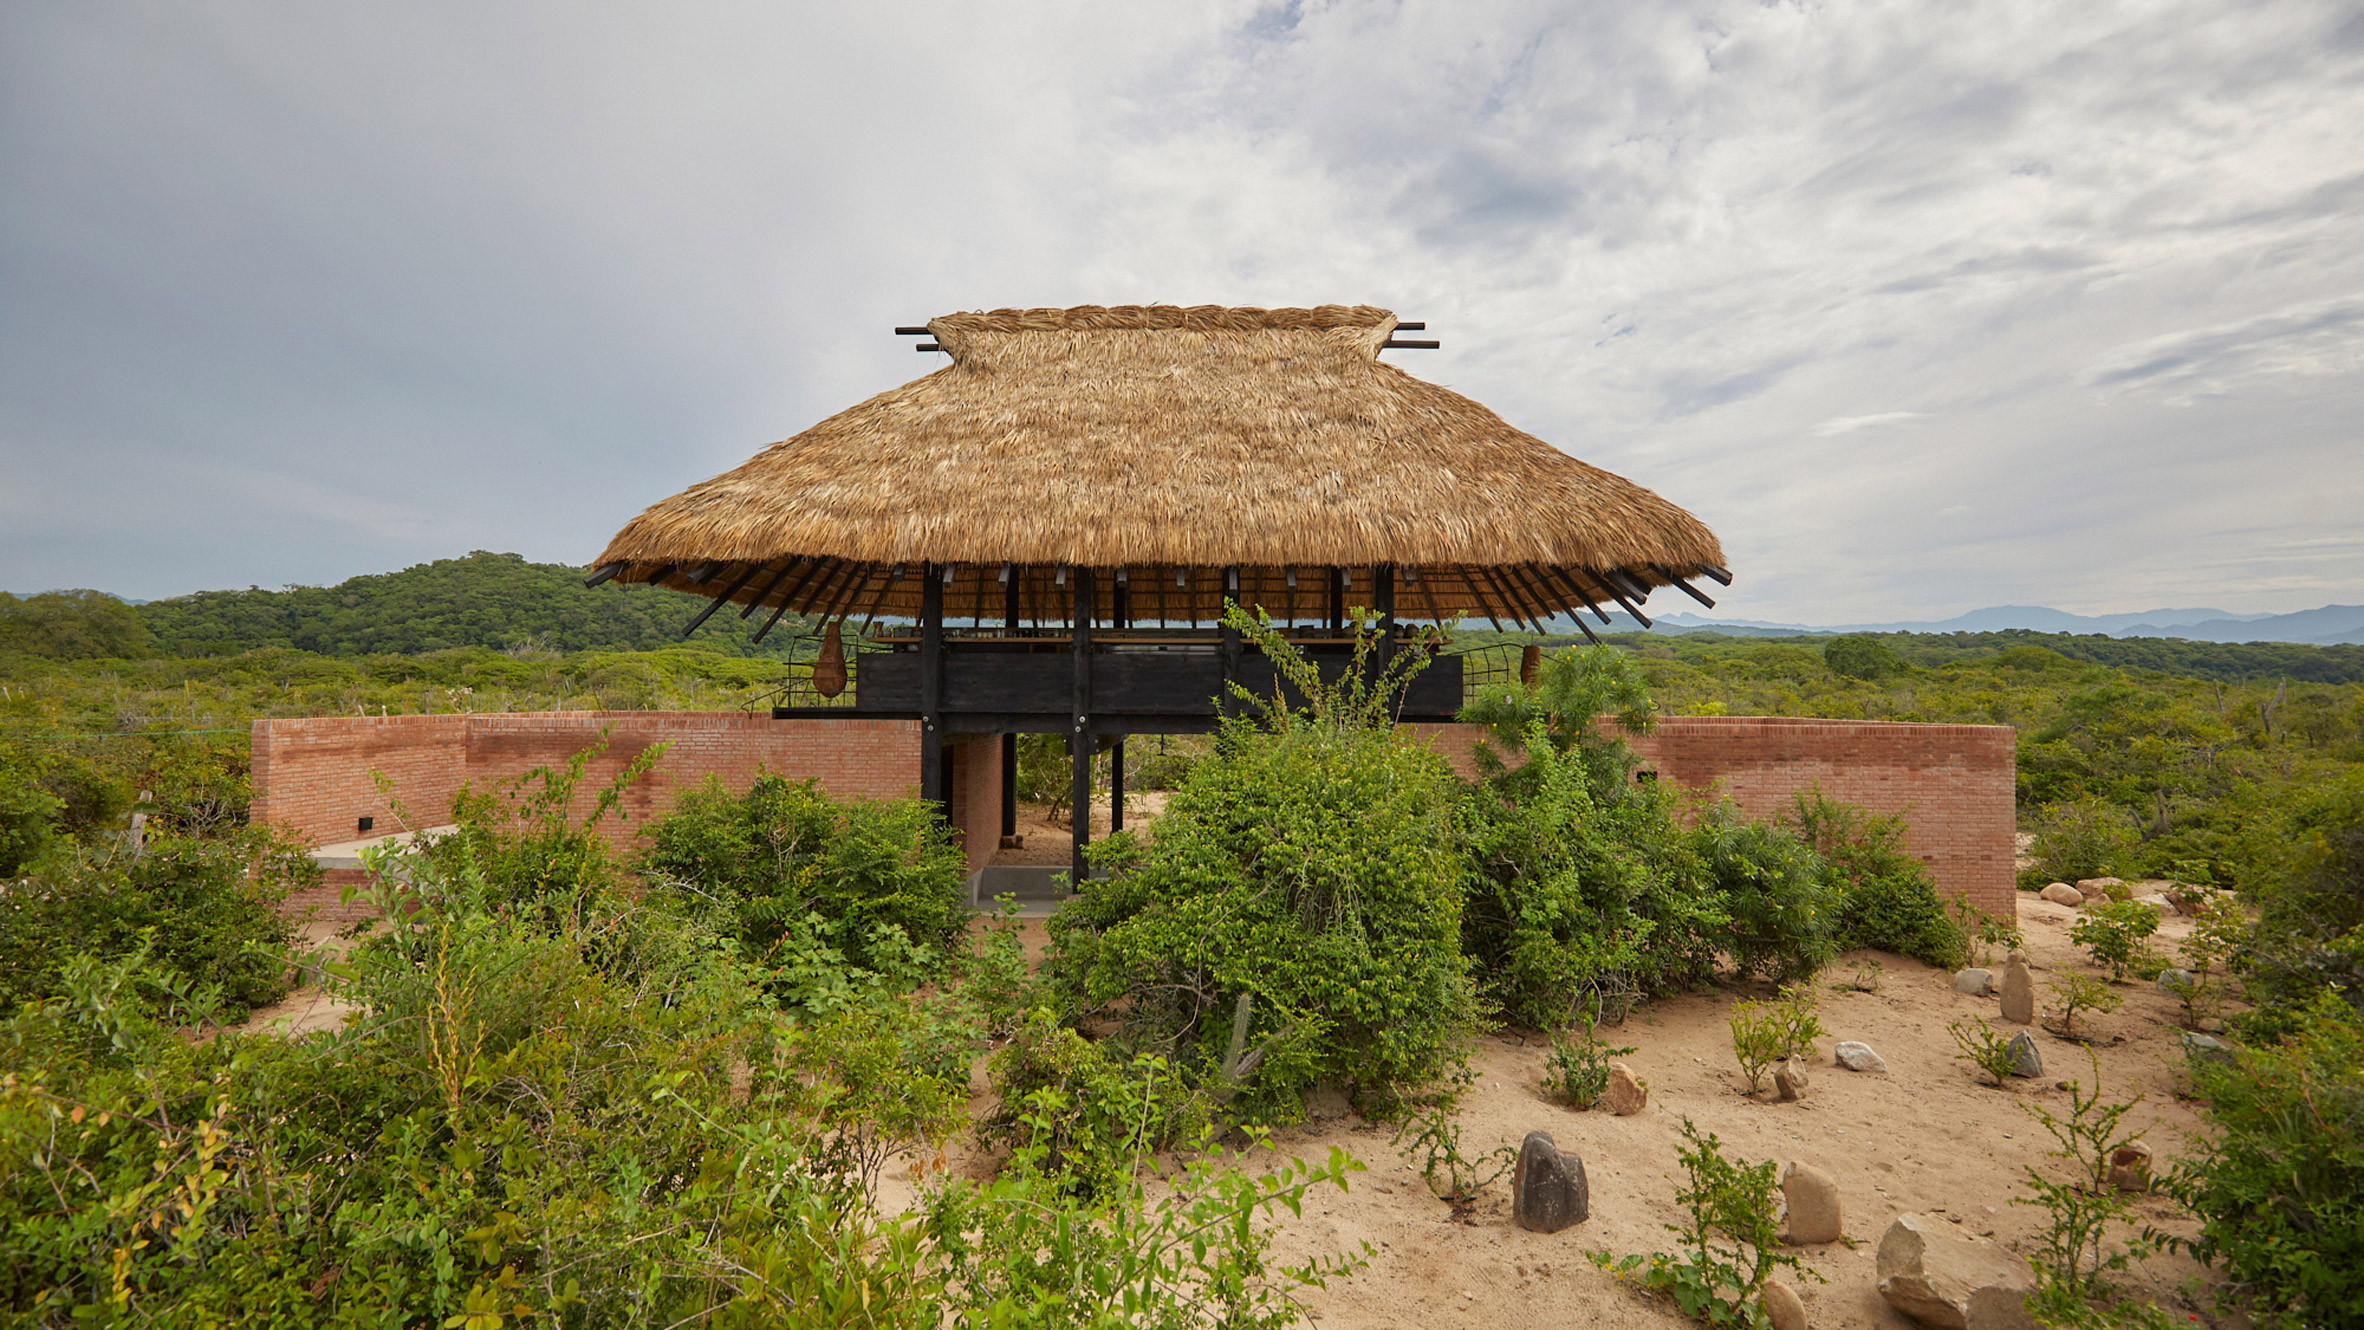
(1922, 307)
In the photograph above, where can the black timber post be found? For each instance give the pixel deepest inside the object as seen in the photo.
(1116, 786)
(1230, 649)
(931, 688)
(1337, 606)
(1009, 785)
(1079, 733)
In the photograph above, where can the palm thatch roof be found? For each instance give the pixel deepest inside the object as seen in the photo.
(1165, 440)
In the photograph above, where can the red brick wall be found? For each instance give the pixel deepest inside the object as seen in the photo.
(976, 796)
(1953, 783)
(313, 775)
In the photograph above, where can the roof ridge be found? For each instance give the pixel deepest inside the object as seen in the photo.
(1196, 318)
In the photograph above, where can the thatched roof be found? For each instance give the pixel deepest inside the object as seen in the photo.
(1161, 437)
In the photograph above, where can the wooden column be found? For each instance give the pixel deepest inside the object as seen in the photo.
(1383, 600)
(1079, 730)
(1009, 603)
(1337, 606)
(931, 688)
(1009, 785)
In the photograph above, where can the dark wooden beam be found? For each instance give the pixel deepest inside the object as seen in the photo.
(1610, 579)
(1079, 739)
(929, 346)
(1684, 586)
(931, 689)
(1011, 575)
(886, 584)
(707, 572)
(724, 599)
(602, 573)
(906, 330)
(1722, 577)
(1411, 327)
(790, 598)
(769, 587)
(1409, 344)
(1518, 613)
(1116, 786)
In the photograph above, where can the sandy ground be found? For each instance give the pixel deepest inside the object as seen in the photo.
(1047, 841)
(1926, 1136)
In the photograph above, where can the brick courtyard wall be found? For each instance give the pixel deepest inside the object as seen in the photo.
(1954, 784)
(312, 776)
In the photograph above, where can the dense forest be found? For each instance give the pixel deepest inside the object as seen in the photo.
(498, 601)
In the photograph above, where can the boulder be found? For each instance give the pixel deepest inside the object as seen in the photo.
(1547, 1188)
(1857, 1056)
(2177, 981)
(2159, 902)
(2113, 888)
(1813, 1200)
(1976, 983)
(1627, 1094)
(2130, 1167)
(2202, 1048)
(1941, 1277)
(2026, 1060)
(1789, 1080)
(2019, 990)
(2061, 893)
(1782, 1306)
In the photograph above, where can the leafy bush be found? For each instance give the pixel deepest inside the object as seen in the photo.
(1760, 1038)
(1730, 1240)
(2073, 1249)
(1088, 1118)
(1578, 1069)
(1800, 1026)
(2309, 937)
(1572, 689)
(205, 912)
(1782, 912)
(2278, 1180)
(2087, 838)
(813, 884)
(2112, 934)
(1886, 898)
(1984, 1047)
(2073, 994)
(1578, 895)
(1309, 863)
(1430, 1136)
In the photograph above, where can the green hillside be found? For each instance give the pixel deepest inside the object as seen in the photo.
(484, 600)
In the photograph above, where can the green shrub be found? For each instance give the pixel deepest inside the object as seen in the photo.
(1308, 863)
(2112, 934)
(1085, 1116)
(814, 883)
(28, 816)
(1730, 1239)
(1800, 1026)
(206, 912)
(1984, 1047)
(1782, 911)
(1577, 1073)
(1430, 1136)
(2076, 994)
(1760, 1038)
(1576, 896)
(2309, 937)
(1886, 898)
(2278, 1179)
(2086, 838)
(2073, 1249)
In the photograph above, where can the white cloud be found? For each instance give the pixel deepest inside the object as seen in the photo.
(526, 269)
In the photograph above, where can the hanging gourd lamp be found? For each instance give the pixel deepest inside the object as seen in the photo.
(829, 668)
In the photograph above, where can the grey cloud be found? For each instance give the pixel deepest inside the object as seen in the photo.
(2318, 338)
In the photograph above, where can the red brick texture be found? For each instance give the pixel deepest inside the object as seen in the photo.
(314, 776)
(1953, 783)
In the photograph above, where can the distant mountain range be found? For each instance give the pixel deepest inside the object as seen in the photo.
(2332, 625)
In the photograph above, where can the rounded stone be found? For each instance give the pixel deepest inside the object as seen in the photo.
(1813, 1199)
